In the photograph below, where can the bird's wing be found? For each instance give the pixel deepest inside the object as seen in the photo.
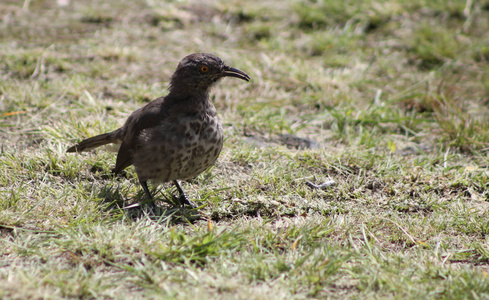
(148, 116)
(124, 158)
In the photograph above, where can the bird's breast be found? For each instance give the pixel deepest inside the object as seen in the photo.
(181, 150)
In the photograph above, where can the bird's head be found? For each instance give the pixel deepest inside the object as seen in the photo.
(199, 71)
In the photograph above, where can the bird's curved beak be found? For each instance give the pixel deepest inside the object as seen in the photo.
(233, 72)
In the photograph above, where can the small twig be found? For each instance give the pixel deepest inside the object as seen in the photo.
(322, 186)
(403, 230)
(26, 5)
(28, 230)
(468, 15)
(446, 258)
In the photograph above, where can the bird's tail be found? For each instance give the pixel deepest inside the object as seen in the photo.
(96, 141)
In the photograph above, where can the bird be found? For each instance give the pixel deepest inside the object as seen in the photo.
(176, 137)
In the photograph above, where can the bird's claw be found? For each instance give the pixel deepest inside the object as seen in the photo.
(183, 200)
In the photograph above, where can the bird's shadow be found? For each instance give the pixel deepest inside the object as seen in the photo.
(164, 207)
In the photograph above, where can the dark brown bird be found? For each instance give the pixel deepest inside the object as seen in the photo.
(174, 137)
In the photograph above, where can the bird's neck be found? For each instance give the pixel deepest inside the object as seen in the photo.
(188, 93)
(191, 102)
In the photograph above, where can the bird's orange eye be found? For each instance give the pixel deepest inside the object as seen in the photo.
(204, 69)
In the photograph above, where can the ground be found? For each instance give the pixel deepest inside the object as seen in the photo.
(388, 99)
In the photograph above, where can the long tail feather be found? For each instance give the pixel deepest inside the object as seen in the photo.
(94, 142)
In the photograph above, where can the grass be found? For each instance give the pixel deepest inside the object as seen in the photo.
(395, 93)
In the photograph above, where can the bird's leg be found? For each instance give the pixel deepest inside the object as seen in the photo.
(144, 184)
(183, 198)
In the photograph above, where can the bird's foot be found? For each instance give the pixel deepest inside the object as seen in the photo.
(183, 200)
